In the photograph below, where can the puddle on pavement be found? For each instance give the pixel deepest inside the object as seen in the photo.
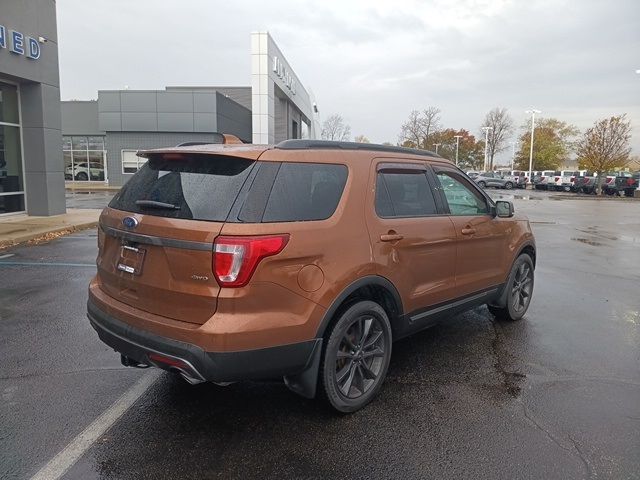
(589, 241)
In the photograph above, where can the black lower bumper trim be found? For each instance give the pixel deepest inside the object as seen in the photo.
(257, 364)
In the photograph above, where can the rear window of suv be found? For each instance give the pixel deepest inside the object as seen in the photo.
(188, 186)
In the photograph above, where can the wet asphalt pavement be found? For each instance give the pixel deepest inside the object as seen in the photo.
(556, 395)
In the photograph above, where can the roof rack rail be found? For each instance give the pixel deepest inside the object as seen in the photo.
(191, 144)
(333, 145)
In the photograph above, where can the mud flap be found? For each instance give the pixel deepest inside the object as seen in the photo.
(305, 382)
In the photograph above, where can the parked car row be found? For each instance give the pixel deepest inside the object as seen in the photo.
(580, 181)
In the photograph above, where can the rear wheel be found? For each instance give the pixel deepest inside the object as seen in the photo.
(519, 291)
(482, 184)
(82, 176)
(508, 185)
(356, 357)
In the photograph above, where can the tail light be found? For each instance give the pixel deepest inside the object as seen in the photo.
(556, 178)
(573, 179)
(236, 258)
(609, 180)
(630, 181)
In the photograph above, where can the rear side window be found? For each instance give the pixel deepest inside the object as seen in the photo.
(188, 186)
(304, 192)
(404, 194)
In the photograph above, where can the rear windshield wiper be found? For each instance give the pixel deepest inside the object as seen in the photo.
(154, 204)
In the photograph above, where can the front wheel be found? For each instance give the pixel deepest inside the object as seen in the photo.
(482, 184)
(519, 291)
(356, 357)
(508, 185)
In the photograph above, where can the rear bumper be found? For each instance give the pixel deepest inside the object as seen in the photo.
(145, 347)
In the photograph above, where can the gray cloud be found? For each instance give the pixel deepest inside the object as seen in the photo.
(373, 62)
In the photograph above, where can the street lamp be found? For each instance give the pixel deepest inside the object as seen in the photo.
(437, 145)
(486, 145)
(457, 137)
(533, 112)
(513, 155)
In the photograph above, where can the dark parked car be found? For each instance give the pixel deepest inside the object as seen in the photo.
(625, 182)
(584, 183)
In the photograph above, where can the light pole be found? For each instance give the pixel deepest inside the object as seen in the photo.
(533, 112)
(486, 145)
(437, 145)
(457, 137)
(513, 155)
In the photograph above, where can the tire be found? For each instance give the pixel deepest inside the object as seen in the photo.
(508, 185)
(519, 288)
(82, 176)
(566, 188)
(482, 184)
(362, 337)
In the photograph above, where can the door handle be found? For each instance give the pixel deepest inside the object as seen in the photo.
(468, 231)
(391, 237)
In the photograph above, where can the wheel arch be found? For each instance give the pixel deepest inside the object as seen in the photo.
(371, 287)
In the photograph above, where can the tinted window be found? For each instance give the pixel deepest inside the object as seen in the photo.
(200, 187)
(305, 191)
(462, 198)
(406, 194)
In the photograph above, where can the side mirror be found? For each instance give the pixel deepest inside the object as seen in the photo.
(504, 209)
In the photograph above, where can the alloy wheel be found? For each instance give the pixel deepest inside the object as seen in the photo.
(522, 288)
(360, 357)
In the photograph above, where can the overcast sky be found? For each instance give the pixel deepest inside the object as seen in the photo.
(373, 61)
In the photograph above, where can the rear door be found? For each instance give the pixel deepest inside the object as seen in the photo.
(481, 239)
(413, 244)
(156, 237)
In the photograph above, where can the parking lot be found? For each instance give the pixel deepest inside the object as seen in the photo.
(556, 395)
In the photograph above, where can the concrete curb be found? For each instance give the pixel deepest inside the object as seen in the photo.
(46, 235)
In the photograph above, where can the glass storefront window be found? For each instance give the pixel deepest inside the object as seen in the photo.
(11, 179)
(79, 143)
(96, 143)
(84, 158)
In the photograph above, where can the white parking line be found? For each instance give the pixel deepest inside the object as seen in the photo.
(64, 460)
(6, 256)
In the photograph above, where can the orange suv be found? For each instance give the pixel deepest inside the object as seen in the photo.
(303, 260)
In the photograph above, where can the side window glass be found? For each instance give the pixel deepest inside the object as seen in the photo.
(407, 194)
(383, 202)
(462, 199)
(305, 191)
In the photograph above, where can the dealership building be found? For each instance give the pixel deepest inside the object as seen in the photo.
(101, 137)
(45, 142)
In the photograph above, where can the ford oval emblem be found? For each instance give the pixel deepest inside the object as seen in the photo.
(130, 222)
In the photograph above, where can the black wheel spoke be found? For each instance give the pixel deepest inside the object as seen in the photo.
(343, 355)
(366, 323)
(359, 379)
(343, 372)
(345, 388)
(376, 352)
(367, 372)
(373, 340)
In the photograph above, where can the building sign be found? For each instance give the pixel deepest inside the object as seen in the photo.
(19, 44)
(284, 75)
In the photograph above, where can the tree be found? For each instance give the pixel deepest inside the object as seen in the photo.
(470, 151)
(334, 128)
(361, 139)
(431, 121)
(552, 144)
(415, 131)
(605, 146)
(501, 125)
